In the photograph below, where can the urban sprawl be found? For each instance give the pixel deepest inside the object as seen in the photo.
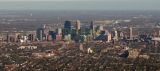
(77, 47)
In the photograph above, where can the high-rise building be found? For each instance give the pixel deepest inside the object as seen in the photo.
(131, 33)
(67, 25)
(109, 37)
(115, 35)
(8, 38)
(53, 35)
(59, 31)
(40, 34)
(67, 28)
(31, 37)
(92, 25)
(93, 29)
(78, 25)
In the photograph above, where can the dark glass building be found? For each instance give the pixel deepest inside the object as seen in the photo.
(53, 35)
(67, 25)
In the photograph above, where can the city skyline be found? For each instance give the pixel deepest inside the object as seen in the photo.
(74, 35)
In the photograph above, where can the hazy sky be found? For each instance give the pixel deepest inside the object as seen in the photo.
(80, 4)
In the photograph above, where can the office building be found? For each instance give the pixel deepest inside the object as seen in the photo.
(115, 35)
(31, 37)
(67, 25)
(131, 33)
(59, 31)
(78, 26)
(109, 37)
(53, 35)
(93, 29)
(40, 34)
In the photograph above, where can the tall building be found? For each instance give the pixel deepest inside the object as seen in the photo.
(92, 25)
(115, 35)
(67, 25)
(53, 35)
(67, 29)
(131, 33)
(46, 33)
(109, 37)
(59, 34)
(78, 25)
(40, 34)
(93, 29)
(8, 38)
(31, 37)
(59, 31)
